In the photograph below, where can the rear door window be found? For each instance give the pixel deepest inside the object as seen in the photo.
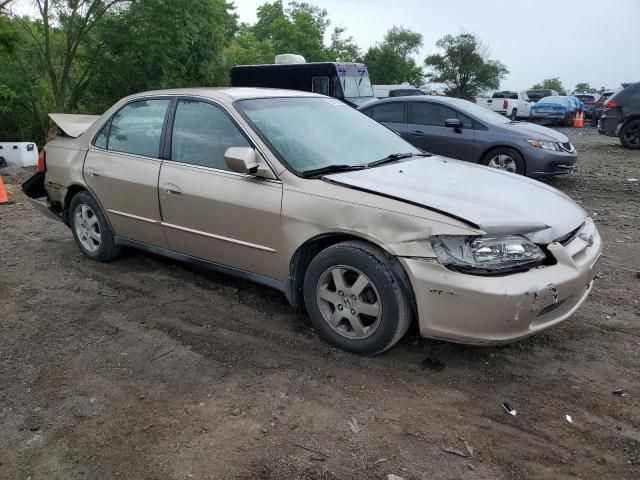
(202, 133)
(431, 114)
(135, 129)
(392, 112)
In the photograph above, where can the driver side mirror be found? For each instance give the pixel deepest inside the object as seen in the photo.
(454, 123)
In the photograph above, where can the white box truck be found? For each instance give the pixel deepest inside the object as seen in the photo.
(18, 154)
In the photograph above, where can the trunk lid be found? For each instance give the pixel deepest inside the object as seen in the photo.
(73, 125)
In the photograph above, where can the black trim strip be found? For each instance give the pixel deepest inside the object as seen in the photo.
(404, 200)
(181, 257)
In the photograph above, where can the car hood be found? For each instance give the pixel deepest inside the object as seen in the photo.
(531, 131)
(499, 203)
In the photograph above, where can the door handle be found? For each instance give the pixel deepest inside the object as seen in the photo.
(172, 190)
(416, 133)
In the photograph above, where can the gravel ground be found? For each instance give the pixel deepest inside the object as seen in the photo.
(145, 368)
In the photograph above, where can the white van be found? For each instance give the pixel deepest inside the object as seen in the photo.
(385, 91)
(18, 154)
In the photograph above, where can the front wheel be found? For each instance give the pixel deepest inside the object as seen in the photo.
(630, 135)
(354, 300)
(506, 159)
(90, 228)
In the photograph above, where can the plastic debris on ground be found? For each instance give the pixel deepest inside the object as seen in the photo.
(509, 409)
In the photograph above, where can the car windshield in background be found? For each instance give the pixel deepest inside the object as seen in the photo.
(356, 86)
(481, 113)
(312, 133)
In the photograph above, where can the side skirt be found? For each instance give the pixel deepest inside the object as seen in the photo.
(236, 272)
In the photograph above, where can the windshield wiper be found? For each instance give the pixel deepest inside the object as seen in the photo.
(331, 169)
(396, 156)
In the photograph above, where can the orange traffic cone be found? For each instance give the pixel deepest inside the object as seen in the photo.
(578, 122)
(4, 199)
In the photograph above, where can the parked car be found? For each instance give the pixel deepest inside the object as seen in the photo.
(621, 116)
(514, 105)
(589, 101)
(301, 193)
(598, 107)
(559, 110)
(384, 91)
(348, 82)
(460, 129)
(536, 94)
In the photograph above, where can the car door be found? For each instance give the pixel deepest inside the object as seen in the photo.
(208, 211)
(427, 130)
(392, 115)
(122, 167)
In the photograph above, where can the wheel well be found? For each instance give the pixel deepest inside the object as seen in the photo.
(71, 192)
(308, 250)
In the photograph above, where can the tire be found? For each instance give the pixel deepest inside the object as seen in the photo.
(90, 228)
(630, 135)
(514, 114)
(371, 330)
(514, 162)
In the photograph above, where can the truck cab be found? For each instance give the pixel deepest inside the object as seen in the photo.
(348, 82)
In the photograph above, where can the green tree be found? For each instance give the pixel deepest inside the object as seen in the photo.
(161, 44)
(390, 61)
(584, 88)
(465, 67)
(552, 84)
(343, 49)
(298, 29)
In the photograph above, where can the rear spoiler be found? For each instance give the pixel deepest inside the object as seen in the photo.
(73, 125)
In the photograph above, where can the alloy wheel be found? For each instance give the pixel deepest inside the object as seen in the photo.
(503, 162)
(349, 302)
(632, 135)
(87, 227)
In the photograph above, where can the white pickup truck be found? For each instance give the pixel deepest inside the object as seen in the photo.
(512, 104)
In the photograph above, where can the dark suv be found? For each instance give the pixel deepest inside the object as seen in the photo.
(621, 116)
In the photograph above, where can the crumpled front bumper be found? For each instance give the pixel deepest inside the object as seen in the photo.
(491, 310)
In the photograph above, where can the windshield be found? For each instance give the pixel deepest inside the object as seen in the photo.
(354, 79)
(311, 133)
(481, 113)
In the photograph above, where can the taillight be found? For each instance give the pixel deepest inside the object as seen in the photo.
(505, 104)
(42, 161)
(610, 105)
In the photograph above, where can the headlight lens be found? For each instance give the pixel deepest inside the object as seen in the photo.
(489, 254)
(544, 144)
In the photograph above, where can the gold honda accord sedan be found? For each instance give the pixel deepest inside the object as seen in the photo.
(304, 194)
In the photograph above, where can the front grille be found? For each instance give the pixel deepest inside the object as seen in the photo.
(566, 146)
(568, 238)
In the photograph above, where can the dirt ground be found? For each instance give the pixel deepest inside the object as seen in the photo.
(146, 368)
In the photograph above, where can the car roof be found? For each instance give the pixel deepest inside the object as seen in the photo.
(228, 93)
(413, 98)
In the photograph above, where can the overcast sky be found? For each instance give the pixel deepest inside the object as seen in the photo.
(591, 41)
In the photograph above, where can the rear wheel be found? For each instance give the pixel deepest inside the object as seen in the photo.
(630, 135)
(506, 159)
(514, 114)
(90, 228)
(568, 120)
(354, 299)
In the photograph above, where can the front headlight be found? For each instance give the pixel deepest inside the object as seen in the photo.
(486, 254)
(544, 144)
